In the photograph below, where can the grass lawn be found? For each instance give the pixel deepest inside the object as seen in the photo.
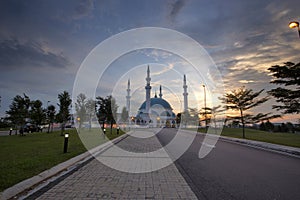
(288, 139)
(25, 156)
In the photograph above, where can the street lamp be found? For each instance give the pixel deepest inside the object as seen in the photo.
(205, 118)
(295, 24)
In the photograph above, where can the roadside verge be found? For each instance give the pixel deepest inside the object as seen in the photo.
(56, 171)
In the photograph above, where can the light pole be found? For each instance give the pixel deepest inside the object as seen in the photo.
(48, 116)
(205, 107)
(295, 24)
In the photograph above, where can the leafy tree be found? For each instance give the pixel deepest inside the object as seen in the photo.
(124, 115)
(287, 75)
(178, 118)
(269, 126)
(18, 111)
(262, 126)
(107, 110)
(64, 112)
(260, 117)
(80, 107)
(37, 112)
(290, 127)
(193, 116)
(50, 116)
(212, 114)
(283, 127)
(91, 110)
(241, 100)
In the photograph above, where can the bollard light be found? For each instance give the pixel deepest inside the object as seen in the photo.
(66, 142)
(104, 130)
(118, 129)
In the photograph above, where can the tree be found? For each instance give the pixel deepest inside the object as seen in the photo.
(107, 110)
(212, 114)
(241, 100)
(124, 115)
(64, 112)
(80, 107)
(287, 75)
(90, 109)
(37, 112)
(178, 119)
(50, 116)
(19, 111)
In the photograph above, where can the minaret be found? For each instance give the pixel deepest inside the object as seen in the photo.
(148, 90)
(128, 97)
(160, 93)
(185, 95)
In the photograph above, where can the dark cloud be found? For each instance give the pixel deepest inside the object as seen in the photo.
(14, 54)
(175, 8)
(84, 8)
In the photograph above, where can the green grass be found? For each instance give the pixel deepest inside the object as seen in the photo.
(25, 156)
(5, 129)
(288, 139)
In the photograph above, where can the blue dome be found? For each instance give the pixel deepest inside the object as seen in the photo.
(159, 101)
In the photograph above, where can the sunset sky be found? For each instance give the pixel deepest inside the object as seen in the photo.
(43, 44)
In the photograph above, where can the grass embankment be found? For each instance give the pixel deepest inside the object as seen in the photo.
(25, 156)
(288, 139)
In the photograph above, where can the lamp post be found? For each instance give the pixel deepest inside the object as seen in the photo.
(205, 118)
(295, 24)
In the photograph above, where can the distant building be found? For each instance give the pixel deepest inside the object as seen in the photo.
(155, 111)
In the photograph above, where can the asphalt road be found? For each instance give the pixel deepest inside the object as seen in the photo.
(234, 171)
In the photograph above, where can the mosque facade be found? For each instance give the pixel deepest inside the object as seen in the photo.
(156, 111)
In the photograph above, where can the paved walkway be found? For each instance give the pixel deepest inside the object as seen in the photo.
(98, 181)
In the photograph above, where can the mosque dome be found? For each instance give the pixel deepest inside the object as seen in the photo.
(157, 101)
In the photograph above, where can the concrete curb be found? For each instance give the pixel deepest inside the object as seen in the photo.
(66, 166)
(292, 151)
(269, 146)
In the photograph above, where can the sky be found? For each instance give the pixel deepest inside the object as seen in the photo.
(43, 45)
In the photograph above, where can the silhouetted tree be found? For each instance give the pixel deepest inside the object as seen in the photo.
(64, 112)
(124, 115)
(80, 107)
(37, 112)
(91, 110)
(241, 100)
(18, 111)
(287, 75)
(107, 110)
(50, 116)
(269, 126)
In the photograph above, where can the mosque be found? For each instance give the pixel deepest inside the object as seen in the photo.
(156, 111)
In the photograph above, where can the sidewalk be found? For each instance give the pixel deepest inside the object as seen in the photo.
(95, 180)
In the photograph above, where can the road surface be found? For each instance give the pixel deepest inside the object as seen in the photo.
(234, 171)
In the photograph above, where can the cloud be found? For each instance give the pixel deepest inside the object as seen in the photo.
(84, 8)
(14, 54)
(175, 9)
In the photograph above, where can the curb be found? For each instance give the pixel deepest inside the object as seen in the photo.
(29, 184)
(293, 151)
(287, 150)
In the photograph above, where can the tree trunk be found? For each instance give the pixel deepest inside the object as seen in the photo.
(62, 129)
(90, 122)
(243, 123)
(111, 127)
(49, 127)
